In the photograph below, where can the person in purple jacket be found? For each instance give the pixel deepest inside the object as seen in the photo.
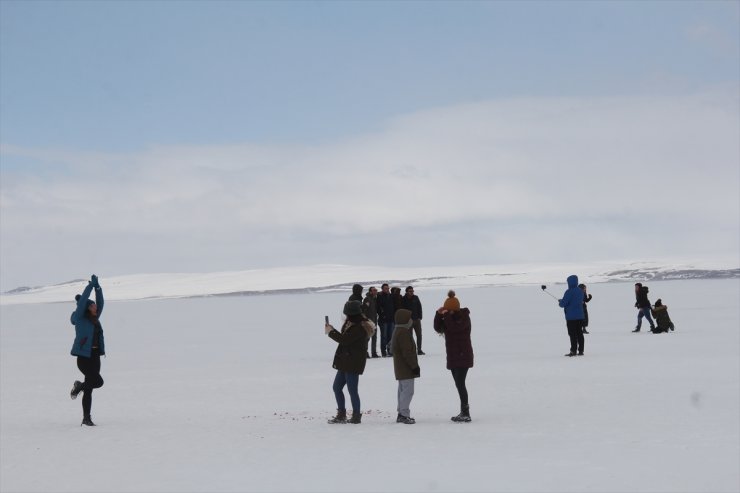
(453, 323)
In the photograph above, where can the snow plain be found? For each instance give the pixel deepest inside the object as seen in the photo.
(232, 394)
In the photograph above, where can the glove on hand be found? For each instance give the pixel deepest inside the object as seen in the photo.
(94, 281)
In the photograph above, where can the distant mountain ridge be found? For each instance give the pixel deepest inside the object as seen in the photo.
(327, 278)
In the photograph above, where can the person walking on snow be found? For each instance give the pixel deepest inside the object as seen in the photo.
(586, 298)
(349, 359)
(572, 303)
(642, 304)
(88, 345)
(411, 302)
(453, 323)
(405, 364)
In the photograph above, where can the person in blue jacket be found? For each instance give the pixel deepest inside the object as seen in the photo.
(572, 303)
(89, 345)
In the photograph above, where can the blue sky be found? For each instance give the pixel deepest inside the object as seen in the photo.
(143, 116)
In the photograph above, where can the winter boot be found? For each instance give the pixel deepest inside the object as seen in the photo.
(76, 389)
(637, 329)
(570, 354)
(356, 418)
(87, 421)
(464, 416)
(340, 418)
(407, 420)
(585, 331)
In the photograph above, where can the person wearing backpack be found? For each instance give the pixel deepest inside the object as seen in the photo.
(88, 345)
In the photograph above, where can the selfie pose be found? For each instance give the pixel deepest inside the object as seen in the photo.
(349, 359)
(88, 345)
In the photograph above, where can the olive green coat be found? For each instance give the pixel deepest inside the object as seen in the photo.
(405, 360)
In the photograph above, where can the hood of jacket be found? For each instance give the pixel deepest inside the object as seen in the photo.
(573, 281)
(357, 289)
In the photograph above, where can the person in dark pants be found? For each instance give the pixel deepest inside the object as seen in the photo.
(88, 345)
(370, 309)
(454, 324)
(586, 298)
(349, 360)
(386, 314)
(572, 303)
(411, 302)
(642, 303)
(662, 319)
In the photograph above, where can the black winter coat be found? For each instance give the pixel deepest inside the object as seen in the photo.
(386, 312)
(413, 304)
(351, 353)
(642, 298)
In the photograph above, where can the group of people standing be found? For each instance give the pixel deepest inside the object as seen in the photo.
(399, 319)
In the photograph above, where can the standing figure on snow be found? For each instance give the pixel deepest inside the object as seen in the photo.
(572, 303)
(662, 319)
(370, 309)
(349, 359)
(454, 324)
(356, 293)
(642, 304)
(411, 302)
(405, 364)
(586, 298)
(385, 319)
(88, 345)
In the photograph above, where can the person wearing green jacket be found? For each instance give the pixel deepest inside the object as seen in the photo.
(405, 364)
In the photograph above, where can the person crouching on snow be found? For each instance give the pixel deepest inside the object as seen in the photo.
(88, 345)
(454, 324)
(349, 359)
(405, 364)
(662, 319)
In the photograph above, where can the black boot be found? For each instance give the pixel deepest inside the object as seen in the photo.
(356, 418)
(464, 416)
(637, 329)
(87, 421)
(76, 389)
(407, 420)
(340, 418)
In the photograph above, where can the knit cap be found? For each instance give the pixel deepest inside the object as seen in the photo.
(352, 308)
(451, 303)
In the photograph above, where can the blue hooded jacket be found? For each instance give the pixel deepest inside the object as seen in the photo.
(84, 328)
(572, 300)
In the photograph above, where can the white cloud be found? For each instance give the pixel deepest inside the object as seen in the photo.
(552, 161)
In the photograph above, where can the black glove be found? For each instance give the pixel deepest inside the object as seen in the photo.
(416, 371)
(94, 281)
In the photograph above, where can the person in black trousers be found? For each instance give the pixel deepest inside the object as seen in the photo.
(586, 298)
(411, 302)
(88, 345)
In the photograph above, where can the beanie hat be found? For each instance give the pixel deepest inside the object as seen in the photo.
(451, 303)
(659, 302)
(403, 316)
(89, 302)
(352, 308)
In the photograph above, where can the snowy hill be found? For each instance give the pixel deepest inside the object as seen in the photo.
(322, 278)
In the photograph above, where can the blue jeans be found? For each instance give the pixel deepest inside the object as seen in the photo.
(644, 312)
(352, 381)
(386, 335)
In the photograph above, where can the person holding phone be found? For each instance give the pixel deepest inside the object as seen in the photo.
(349, 359)
(88, 345)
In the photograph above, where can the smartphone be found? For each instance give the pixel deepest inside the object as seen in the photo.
(326, 319)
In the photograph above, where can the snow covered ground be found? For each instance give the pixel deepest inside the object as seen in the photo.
(233, 393)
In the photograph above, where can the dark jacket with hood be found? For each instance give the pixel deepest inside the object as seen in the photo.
(351, 353)
(85, 329)
(572, 300)
(642, 298)
(456, 328)
(385, 307)
(405, 360)
(356, 293)
(413, 304)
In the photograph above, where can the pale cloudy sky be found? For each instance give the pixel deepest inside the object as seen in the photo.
(197, 136)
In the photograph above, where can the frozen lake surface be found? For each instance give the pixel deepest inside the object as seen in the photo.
(233, 393)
